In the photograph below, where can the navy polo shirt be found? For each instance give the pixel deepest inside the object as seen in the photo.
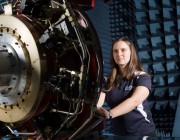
(137, 122)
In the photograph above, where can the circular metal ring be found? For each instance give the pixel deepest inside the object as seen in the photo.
(22, 67)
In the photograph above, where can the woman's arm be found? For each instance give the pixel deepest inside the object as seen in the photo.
(139, 95)
(101, 99)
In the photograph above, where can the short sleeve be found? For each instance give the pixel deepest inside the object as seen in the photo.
(145, 81)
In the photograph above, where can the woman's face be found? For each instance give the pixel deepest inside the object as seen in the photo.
(121, 53)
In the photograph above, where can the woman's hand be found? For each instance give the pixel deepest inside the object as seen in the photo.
(103, 112)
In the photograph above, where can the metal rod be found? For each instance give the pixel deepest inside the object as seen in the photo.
(21, 133)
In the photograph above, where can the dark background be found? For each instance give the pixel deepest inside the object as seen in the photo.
(154, 26)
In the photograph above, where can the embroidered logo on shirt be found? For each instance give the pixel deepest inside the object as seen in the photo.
(128, 87)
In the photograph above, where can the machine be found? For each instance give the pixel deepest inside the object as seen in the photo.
(50, 70)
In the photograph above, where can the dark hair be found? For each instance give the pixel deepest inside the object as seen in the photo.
(132, 66)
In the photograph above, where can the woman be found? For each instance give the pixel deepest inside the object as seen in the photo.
(126, 92)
